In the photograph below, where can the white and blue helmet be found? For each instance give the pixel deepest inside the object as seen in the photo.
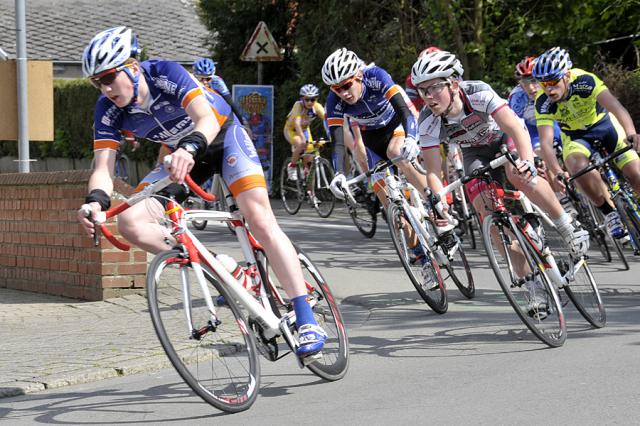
(552, 64)
(109, 49)
(340, 65)
(204, 67)
(310, 91)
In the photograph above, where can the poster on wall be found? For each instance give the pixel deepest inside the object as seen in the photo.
(256, 103)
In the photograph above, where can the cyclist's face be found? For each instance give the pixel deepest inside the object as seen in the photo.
(556, 90)
(436, 94)
(349, 90)
(120, 91)
(530, 86)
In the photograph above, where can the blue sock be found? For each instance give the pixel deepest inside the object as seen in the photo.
(304, 314)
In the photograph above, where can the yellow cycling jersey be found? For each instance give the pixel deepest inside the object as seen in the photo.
(306, 115)
(580, 110)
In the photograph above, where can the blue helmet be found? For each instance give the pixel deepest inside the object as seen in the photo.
(552, 64)
(204, 67)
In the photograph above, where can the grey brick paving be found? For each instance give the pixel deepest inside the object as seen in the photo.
(50, 341)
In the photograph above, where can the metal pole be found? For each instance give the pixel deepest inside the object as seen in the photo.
(21, 74)
(259, 72)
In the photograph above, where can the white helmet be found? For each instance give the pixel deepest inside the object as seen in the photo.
(109, 49)
(440, 64)
(310, 91)
(340, 65)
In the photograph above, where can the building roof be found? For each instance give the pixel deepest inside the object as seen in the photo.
(59, 30)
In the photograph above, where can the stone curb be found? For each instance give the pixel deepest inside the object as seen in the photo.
(146, 364)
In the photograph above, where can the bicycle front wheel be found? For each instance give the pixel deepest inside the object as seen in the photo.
(365, 214)
(290, 190)
(320, 179)
(583, 292)
(503, 250)
(458, 266)
(214, 354)
(424, 272)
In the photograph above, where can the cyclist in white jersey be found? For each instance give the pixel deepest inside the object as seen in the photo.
(472, 115)
(161, 102)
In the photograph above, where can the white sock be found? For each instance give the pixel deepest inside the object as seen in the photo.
(563, 221)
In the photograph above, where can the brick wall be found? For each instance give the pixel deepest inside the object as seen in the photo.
(44, 249)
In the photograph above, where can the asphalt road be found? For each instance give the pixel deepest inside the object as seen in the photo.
(477, 364)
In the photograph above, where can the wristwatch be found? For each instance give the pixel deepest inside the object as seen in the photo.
(191, 148)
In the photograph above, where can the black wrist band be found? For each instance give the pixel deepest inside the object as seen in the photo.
(100, 197)
(194, 140)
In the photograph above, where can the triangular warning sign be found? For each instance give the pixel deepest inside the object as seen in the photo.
(261, 46)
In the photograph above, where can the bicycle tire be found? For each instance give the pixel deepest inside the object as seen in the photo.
(545, 329)
(583, 292)
(458, 266)
(365, 214)
(630, 220)
(599, 219)
(334, 362)
(326, 201)
(290, 191)
(227, 349)
(434, 293)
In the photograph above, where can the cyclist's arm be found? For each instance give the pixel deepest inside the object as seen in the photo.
(104, 164)
(546, 135)
(201, 113)
(402, 109)
(337, 137)
(512, 126)
(613, 105)
(359, 149)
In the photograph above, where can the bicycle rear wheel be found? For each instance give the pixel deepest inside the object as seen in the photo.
(548, 326)
(290, 190)
(427, 277)
(365, 214)
(216, 357)
(319, 179)
(458, 267)
(333, 363)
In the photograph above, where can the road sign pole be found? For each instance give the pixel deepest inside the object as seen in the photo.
(259, 73)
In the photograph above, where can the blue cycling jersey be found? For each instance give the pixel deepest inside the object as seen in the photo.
(162, 118)
(373, 110)
(524, 107)
(218, 84)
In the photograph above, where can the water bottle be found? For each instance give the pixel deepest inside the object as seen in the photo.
(532, 227)
(234, 269)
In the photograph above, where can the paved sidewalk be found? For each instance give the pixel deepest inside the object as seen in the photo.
(49, 341)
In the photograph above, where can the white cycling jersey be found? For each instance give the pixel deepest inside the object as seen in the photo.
(474, 126)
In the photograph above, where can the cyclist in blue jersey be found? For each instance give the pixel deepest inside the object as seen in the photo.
(204, 69)
(367, 95)
(522, 99)
(161, 102)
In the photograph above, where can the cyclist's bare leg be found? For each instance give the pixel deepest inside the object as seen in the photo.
(139, 225)
(298, 145)
(631, 172)
(256, 209)
(413, 176)
(540, 194)
(591, 184)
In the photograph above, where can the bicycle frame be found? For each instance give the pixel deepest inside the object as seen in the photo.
(197, 252)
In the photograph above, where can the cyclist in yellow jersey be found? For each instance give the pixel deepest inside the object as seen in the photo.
(586, 111)
(296, 128)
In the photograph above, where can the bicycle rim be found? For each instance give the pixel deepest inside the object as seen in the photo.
(552, 329)
(364, 214)
(458, 268)
(289, 190)
(583, 292)
(335, 355)
(222, 366)
(325, 201)
(427, 277)
(631, 222)
(590, 220)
